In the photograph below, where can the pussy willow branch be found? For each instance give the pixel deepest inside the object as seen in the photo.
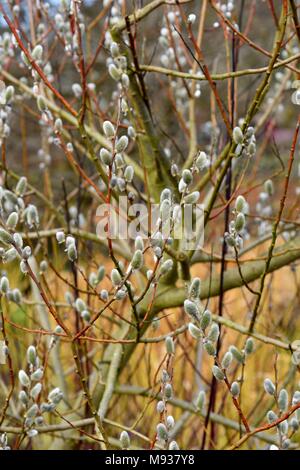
(94, 134)
(275, 225)
(253, 108)
(34, 64)
(242, 36)
(10, 366)
(188, 406)
(266, 427)
(216, 76)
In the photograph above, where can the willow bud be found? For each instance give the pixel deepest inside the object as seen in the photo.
(137, 260)
(237, 135)
(194, 331)
(195, 288)
(210, 348)
(5, 237)
(240, 204)
(31, 355)
(125, 440)
(205, 320)
(235, 389)
(162, 432)
(122, 143)
(227, 359)
(37, 52)
(21, 186)
(283, 400)
(115, 277)
(169, 345)
(24, 379)
(129, 173)
(269, 387)
(214, 332)
(200, 402)
(218, 373)
(239, 222)
(238, 356)
(108, 129)
(191, 309)
(106, 156)
(41, 103)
